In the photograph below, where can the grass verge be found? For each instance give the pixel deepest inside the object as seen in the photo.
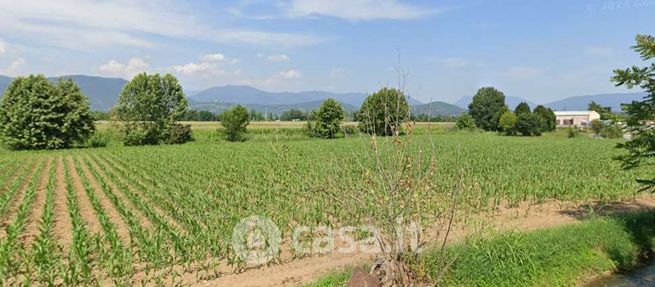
(562, 256)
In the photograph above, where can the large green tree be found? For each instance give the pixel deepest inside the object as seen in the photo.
(235, 121)
(641, 114)
(328, 118)
(548, 118)
(486, 108)
(36, 114)
(149, 107)
(384, 112)
(522, 108)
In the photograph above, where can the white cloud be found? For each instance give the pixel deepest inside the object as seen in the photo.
(14, 67)
(133, 67)
(3, 46)
(290, 74)
(209, 65)
(278, 58)
(360, 10)
(88, 25)
(521, 73)
(598, 51)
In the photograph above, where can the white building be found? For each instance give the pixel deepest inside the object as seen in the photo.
(575, 118)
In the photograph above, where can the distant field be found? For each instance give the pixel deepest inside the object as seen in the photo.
(259, 125)
(82, 216)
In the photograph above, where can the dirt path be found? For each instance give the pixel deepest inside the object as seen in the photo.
(121, 227)
(34, 219)
(143, 220)
(86, 208)
(525, 217)
(63, 229)
(8, 216)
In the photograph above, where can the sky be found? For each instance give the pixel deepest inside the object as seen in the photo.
(436, 50)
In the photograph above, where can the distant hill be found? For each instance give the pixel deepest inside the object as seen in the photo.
(249, 95)
(511, 102)
(582, 102)
(275, 109)
(437, 108)
(102, 92)
(4, 83)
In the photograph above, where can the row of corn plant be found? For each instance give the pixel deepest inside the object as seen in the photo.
(12, 252)
(117, 259)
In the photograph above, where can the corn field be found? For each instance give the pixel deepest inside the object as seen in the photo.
(159, 214)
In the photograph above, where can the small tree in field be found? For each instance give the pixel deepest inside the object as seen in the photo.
(235, 121)
(35, 114)
(384, 112)
(641, 114)
(508, 123)
(465, 122)
(149, 107)
(328, 119)
(486, 108)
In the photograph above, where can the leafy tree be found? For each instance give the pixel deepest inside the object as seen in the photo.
(294, 114)
(522, 108)
(148, 106)
(328, 119)
(641, 114)
(384, 112)
(36, 114)
(465, 122)
(548, 118)
(486, 108)
(604, 112)
(508, 123)
(235, 121)
(529, 124)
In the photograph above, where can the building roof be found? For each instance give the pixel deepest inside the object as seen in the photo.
(575, 113)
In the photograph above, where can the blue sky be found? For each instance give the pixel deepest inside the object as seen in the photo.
(538, 50)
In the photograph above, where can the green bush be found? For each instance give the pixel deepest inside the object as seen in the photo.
(597, 126)
(178, 134)
(98, 140)
(465, 122)
(508, 123)
(141, 134)
(235, 121)
(529, 124)
(572, 132)
(36, 114)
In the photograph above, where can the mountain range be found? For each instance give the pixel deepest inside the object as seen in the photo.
(103, 95)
